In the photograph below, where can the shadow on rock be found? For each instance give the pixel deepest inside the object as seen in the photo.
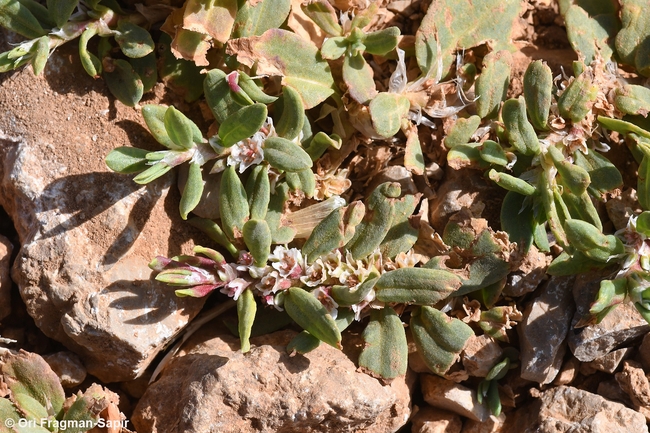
(144, 296)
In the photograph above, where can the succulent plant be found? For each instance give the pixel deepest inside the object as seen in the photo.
(35, 401)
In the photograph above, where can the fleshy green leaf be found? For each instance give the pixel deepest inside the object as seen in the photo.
(127, 159)
(192, 191)
(210, 17)
(517, 220)
(462, 131)
(154, 117)
(89, 61)
(521, 134)
(386, 350)
(123, 82)
(219, 96)
(324, 15)
(359, 78)
(419, 286)
(538, 85)
(309, 313)
(246, 310)
(233, 203)
(146, 67)
(258, 191)
(438, 338)
(492, 84)
(134, 41)
(257, 236)
(633, 41)
(242, 124)
(592, 36)
(180, 129)
(291, 114)
(61, 10)
(387, 111)
(280, 52)
(285, 155)
(255, 20)
(371, 232)
(28, 374)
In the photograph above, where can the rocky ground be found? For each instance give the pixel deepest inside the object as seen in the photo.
(75, 288)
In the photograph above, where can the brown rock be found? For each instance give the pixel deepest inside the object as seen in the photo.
(445, 394)
(611, 390)
(68, 367)
(481, 353)
(566, 409)
(87, 234)
(610, 362)
(211, 386)
(431, 420)
(529, 274)
(463, 189)
(644, 352)
(635, 383)
(568, 372)
(492, 425)
(543, 330)
(6, 249)
(621, 326)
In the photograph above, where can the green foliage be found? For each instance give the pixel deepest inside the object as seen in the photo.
(37, 396)
(450, 25)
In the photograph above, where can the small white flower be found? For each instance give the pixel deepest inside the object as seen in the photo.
(315, 274)
(288, 262)
(235, 288)
(323, 295)
(247, 152)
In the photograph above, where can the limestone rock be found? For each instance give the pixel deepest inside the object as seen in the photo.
(568, 373)
(87, 233)
(68, 367)
(610, 362)
(635, 383)
(480, 354)
(492, 425)
(529, 274)
(567, 409)
(445, 394)
(5, 277)
(543, 330)
(621, 326)
(431, 420)
(644, 352)
(212, 386)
